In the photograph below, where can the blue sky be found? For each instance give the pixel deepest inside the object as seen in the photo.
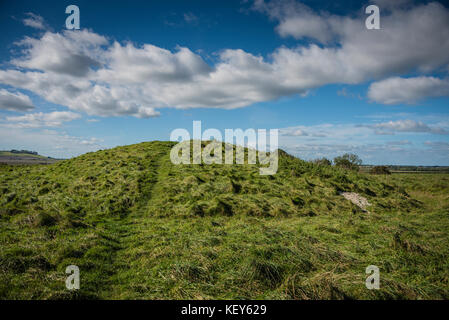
(135, 71)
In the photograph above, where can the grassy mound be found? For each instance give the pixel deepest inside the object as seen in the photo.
(139, 226)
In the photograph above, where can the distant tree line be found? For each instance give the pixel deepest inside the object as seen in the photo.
(23, 151)
(419, 168)
(380, 170)
(350, 161)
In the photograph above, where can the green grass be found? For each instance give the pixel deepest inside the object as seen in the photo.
(139, 227)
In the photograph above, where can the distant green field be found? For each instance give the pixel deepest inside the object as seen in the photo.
(140, 227)
(410, 169)
(11, 154)
(23, 158)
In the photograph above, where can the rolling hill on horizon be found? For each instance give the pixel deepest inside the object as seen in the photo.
(24, 157)
(139, 227)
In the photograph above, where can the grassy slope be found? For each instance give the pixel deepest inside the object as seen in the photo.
(141, 227)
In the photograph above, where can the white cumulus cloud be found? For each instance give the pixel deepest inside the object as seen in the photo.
(89, 73)
(408, 125)
(34, 21)
(397, 90)
(15, 101)
(40, 119)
